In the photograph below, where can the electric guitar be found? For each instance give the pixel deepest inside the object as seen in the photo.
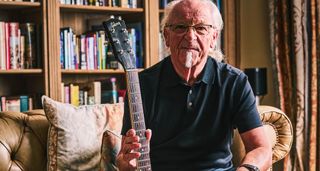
(117, 34)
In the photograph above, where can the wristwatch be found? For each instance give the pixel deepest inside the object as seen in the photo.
(250, 167)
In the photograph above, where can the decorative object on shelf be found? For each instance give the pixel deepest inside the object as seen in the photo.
(257, 78)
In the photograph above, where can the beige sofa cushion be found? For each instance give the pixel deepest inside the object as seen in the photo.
(75, 134)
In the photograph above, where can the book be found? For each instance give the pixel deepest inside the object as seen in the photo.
(24, 103)
(30, 107)
(2, 46)
(3, 103)
(74, 95)
(30, 55)
(136, 29)
(13, 104)
(14, 42)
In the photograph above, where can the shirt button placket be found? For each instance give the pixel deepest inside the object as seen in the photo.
(189, 102)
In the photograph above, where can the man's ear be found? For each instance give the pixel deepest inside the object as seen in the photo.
(166, 36)
(214, 39)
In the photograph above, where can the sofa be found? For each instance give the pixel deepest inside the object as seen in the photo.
(23, 138)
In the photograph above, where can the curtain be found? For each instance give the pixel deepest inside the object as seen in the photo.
(295, 44)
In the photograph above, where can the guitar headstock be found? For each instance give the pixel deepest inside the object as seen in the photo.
(118, 36)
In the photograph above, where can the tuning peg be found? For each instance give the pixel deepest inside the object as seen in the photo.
(126, 41)
(119, 18)
(120, 52)
(116, 41)
(131, 52)
(123, 30)
(112, 16)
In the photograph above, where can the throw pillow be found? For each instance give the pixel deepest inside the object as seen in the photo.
(75, 134)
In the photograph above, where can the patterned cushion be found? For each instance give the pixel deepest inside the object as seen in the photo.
(75, 134)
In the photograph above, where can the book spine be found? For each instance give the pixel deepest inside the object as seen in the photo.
(66, 94)
(83, 51)
(28, 31)
(22, 51)
(62, 57)
(14, 44)
(62, 93)
(3, 103)
(7, 42)
(74, 94)
(30, 107)
(2, 46)
(24, 103)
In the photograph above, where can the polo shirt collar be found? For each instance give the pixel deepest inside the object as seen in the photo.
(172, 78)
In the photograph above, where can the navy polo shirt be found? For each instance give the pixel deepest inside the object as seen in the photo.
(192, 126)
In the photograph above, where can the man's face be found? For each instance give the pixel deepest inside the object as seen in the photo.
(192, 13)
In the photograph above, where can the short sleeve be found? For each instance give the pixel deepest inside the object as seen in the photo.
(245, 108)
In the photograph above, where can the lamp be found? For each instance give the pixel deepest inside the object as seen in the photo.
(257, 78)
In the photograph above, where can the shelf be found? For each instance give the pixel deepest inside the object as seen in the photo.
(21, 71)
(87, 8)
(107, 71)
(6, 5)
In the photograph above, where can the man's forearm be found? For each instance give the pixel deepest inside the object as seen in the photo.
(260, 157)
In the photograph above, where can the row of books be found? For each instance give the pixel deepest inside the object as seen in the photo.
(91, 51)
(89, 93)
(113, 3)
(16, 103)
(18, 46)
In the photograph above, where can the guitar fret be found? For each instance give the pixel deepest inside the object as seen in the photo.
(146, 168)
(137, 107)
(144, 149)
(135, 98)
(144, 156)
(141, 133)
(134, 87)
(138, 117)
(143, 141)
(143, 163)
(139, 125)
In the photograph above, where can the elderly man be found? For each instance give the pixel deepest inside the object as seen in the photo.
(192, 102)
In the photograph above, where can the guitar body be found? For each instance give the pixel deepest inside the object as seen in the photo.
(122, 50)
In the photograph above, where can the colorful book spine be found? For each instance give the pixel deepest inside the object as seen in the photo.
(14, 44)
(30, 55)
(2, 46)
(24, 103)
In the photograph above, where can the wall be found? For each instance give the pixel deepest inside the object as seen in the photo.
(254, 41)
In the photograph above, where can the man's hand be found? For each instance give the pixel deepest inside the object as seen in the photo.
(126, 159)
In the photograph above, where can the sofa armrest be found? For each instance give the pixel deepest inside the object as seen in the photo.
(279, 130)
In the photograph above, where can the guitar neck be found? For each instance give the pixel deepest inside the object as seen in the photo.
(137, 118)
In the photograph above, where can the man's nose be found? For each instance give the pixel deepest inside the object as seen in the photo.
(190, 34)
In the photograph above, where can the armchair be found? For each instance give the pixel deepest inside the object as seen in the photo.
(23, 138)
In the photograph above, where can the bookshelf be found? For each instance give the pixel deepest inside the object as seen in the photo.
(77, 17)
(33, 82)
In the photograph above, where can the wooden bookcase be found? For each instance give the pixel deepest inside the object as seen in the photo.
(16, 82)
(76, 16)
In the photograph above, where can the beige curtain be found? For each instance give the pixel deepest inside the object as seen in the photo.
(295, 44)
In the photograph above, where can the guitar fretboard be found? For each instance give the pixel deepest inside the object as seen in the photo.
(137, 118)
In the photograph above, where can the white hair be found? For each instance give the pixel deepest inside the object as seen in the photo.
(217, 24)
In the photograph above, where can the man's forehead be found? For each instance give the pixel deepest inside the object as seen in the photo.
(190, 12)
